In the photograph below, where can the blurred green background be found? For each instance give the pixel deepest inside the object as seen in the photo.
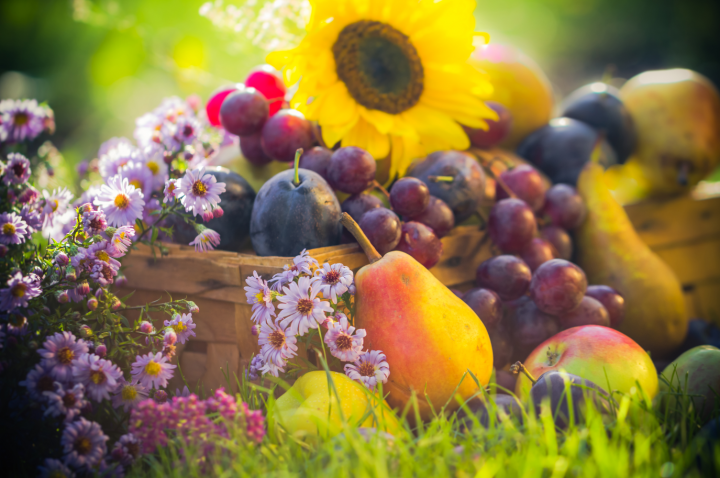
(100, 64)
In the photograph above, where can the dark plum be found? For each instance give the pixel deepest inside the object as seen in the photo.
(497, 130)
(507, 275)
(409, 197)
(316, 159)
(251, 149)
(565, 206)
(537, 252)
(511, 225)
(491, 410)
(351, 170)
(267, 81)
(244, 112)
(530, 326)
(612, 300)
(560, 240)
(558, 286)
(486, 304)
(286, 132)
(288, 218)
(212, 108)
(527, 184)
(589, 312)
(553, 386)
(464, 192)
(437, 216)
(358, 204)
(420, 242)
(382, 228)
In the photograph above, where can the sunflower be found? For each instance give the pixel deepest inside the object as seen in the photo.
(389, 76)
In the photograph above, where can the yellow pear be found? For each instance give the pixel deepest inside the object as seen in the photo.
(611, 253)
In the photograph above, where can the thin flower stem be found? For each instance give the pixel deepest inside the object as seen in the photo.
(322, 342)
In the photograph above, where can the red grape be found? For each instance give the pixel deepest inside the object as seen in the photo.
(530, 326)
(316, 159)
(486, 304)
(559, 239)
(497, 130)
(437, 216)
(420, 242)
(351, 170)
(212, 108)
(244, 112)
(565, 206)
(409, 196)
(558, 286)
(251, 148)
(537, 252)
(382, 227)
(358, 204)
(507, 275)
(589, 312)
(502, 346)
(612, 300)
(527, 184)
(285, 133)
(267, 81)
(511, 224)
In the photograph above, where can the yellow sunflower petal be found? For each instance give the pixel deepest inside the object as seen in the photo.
(339, 107)
(366, 136)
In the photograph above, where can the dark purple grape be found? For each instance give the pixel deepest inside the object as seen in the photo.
(527, 184)
(351, 170)
(565, 206)
(457, 293)
(511, 225)
(383, 228)
(420, 242)
(497, 130)
(244, 112)
(537, 252)
(560, 240)
(589, 312)
(437, 216)
(286, 132)
(358, 204)
(502, 346)
(251, 148)
(507, 275)
(558, 286)
(212, 108)
(316, 159)
(530, 326)
(409, 196)
(612, 300)
(486, 304)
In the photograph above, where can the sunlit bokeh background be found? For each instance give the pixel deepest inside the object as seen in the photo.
(102, 63)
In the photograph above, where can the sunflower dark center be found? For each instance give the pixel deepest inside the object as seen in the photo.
(380, 67)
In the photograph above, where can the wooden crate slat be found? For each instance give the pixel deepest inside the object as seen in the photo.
(694, 262)
(221, 359)
(462, 254)
(193, 367)
(707, 298)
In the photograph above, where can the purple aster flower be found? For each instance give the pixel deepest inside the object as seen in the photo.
(88, 196)
(152, 370)
(155, 163)
(300, 308)
(200, 191)
(93, 221)
(29, 195)
(18, 325)
(83, 442)
(126, 449)
(173, 108)
(129, 394)
(68, 402)
(277, 345)
(206, 240)
(341, 341)
(38, 381)
(19, 291)
(55, 204)
(12, 229)
(110, 144)
(103, 273)
(170, 190)
(183, 326)
(333, 280)
(369, 369)
(102, 252)
(185, 392)
(59, 352)
(256, 364)
(259, 295)
(139, 176)
(52, 468)
(120, 241)
(22, 119)
(183, 131)
(116, 155)
(301, 265)
(147, 130)
(17, 169)
(78, 294)
(100, 376)
(121, 202)
(61, 226)
(32, 218)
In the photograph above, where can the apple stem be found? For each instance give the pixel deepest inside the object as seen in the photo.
(443, 179)
(380, 188)
(518, 367)
(298, 153)
(372, 254)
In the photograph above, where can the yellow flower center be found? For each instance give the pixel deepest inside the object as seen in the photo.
(82, 445)
(122, 201)
(153, 167)
(21, 119)
(54, 204)
(103, 256)
(65, 355)
(136, 183)
(179, 327)
(8, 229)
(366, 369)
(129, 393)
(153, 368)
(69, 399)
(305, 306)
(380, 67)
(260, 297)
(276, 339)
(199, 188)
(19, 290)
(98, 377)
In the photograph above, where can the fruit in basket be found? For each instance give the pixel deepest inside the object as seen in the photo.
(502, 345)
(677, 116)
(600, 354)
(316, 159)
(537, 252)
(286, 132)
(251, 149)
(486, 304)
(497, 130)
(268, 81)
(519, 85)
(611, 253)
(598, 105)
(358, 204)
(527, 184)
(530, 326)
(589, 312)
(562, 147)
(294, 210)
(420, 242)
(560, 240)
(564, 206)
(697, 372)
(491, 410)
(212, 108)
(558, 286)
(437, 216)
(429, 335)
(511, 224)
(409, 196)
(612, 300)
(351, 170)
(244, 112)
(507, 275)
(455, 177)
(383, 229)
(310, 407)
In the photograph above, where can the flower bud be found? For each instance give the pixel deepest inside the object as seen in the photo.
(87, 207)
(99, 292)
(116, 304)
(170, 337)
(92, 303)
(101, 350)
(38, 272)
(63, 297)
(85, 331)
(192, 307)
(161, 396)
(45, 310)
(83, 289)
(146, 327)
(121, 281)
(71, 277)
(254, 330)
(62, 259)
(33, 345)
(80, 236)
(3, 250)
(169, 351)
(207, 216)
(218, 212)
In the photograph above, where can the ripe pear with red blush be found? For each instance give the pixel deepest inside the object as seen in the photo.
(430, 337)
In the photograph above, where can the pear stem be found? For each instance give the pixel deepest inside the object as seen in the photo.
(518, 367)
(380, 188)
(298, 153)
(372, 254)
(441, 179)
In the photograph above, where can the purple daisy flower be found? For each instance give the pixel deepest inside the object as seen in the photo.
(183, 131)
(83, 442)
(259, 295)
(103, 252)
(147, 129)
(121, 202)
(52, 468)
(170, 190)
(183, 326)
(276, 344)
(139, 176)
(200, 191)
(115, 156)
(300, 308)
(120, 241)
(185, 392)
(29, 195)
(152, 370)
(19, 291)
(110, 144)
(93, 221)
(154, 162)
(333, 280)
(22, 119)
(18, 325)
(12, 229)
(341, 341)
(32, 218)
(55, 204)
(59, 352)
(126, 449)
(68, 402)
(369, 369)
(254, 370)
(88, 196)
(129, 394)
(206, 240)
(103, 273)
(38, 381)
(301, 265)
(17, 169)
(100, 376)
